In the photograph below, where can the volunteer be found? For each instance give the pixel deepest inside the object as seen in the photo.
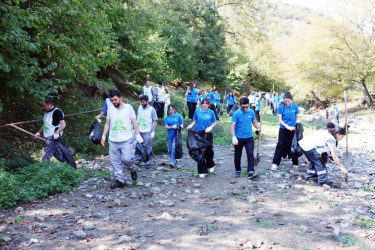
(242, 136)
(337, 113)
(192, 99)
(52, 129)
(172, 122)
(205, 119)
(167, 102)
(147, 121)
(276, 101)
(314, 145)
(107, 104)
(160, 99)
(202, 95)
(120, 122)
(213, 95)
(231, 99)
(288, 114)
(148, 90)
(257, 107)
(252, 100)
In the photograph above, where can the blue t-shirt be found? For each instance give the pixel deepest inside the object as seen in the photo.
(230, 99)
(192, 96)
(171, 120)
(201, 97)
(281, 97)
(336, 109)
(204, 119)
(276, 99)
(211, 95)
(217, 102)
(257, 103)
(244, 121)
(289, 114)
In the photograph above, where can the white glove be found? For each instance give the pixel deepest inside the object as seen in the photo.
(234, 140)
(189, 127)
(152, 135)
(208, 129)
(139, 138)
(344, 171)
(56, 136)
(174, 126)
(37, 135)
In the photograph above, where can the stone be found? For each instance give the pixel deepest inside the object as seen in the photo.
(251, 199)
(80, 234)
(166, 216)
(147, 184)
(188, 191)
(33, 240)
(326, 187)
(89, 226)
(6, 239)
(196, 191)
(139, 183)
(133, 195)
(117, 202)
(167, 203)
(89, 195)
(248, 245)
(19, 210)
(236, 191)
(345, 225)
(155, 190)
(197, 185)
(99, 196)
(336, 231)
(125, 238)
(359, 223)
(40, 218)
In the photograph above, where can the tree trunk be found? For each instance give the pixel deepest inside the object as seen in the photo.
(365, 92)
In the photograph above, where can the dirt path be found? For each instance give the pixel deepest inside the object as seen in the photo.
(173, 209)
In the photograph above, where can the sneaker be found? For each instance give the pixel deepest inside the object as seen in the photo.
(117, 184)
(237, 174)
(274, 167)
(134, 175)
(172, 165)
(202, 175)
(312, 178)
(251, 175)
(331, 184)
(211, 170)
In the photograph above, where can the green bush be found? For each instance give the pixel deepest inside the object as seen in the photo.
(36, 181)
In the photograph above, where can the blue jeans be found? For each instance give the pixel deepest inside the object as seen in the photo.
(172, 150)
(248, 143)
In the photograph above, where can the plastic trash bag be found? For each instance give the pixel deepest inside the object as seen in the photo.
(178, 143)
(68, 158)
(234, 109)
(141, 153)
(95, 135)
(296, 150)
(197, 143)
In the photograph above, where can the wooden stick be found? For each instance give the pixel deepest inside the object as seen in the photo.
(25, 131)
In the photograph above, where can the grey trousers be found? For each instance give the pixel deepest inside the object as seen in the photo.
(120, 154)
(148, 144)
(52, 149)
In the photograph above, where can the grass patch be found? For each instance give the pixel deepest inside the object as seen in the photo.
(368, 189)
(263, 223)
(282, 191)
(36, 181)
(350, 241)
(19, 218)
(100, 173)
(315, 198)
(368, 222)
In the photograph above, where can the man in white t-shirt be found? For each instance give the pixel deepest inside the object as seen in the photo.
(120, 122)
(148, 90)
(147, 121)
(160, 100)
(252, 100)
(313, 146)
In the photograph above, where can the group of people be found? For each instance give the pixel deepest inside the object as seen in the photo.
(125, 129)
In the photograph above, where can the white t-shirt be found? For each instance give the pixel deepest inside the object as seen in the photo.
(121, 127)
(146, 118)
(251, 98)
(323, 141)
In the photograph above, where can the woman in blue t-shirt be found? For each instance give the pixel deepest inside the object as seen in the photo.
(192, 99)
(204, 119)
(172, 121)
(288, 114)
(231, 99)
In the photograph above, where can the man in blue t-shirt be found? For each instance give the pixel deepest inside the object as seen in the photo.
(242, 135)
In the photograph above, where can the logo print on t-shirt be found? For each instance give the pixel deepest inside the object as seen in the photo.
(119, 125)
(142, 122)
(44, 126)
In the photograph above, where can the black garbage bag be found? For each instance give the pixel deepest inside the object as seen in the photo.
(197, 143)
(178, 143)
(142, 153)
(68, 158)
(95, 135)
(296, 150)
(234, 109)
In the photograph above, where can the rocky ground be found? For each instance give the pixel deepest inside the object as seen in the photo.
(173, 209)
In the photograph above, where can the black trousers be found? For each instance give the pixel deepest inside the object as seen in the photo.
(213, 107)
(317, 167)
(257, 115)
(208, 160)
(248, 143)
(229, 108)
(283, 147)
(191, 106)
(160, 109)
